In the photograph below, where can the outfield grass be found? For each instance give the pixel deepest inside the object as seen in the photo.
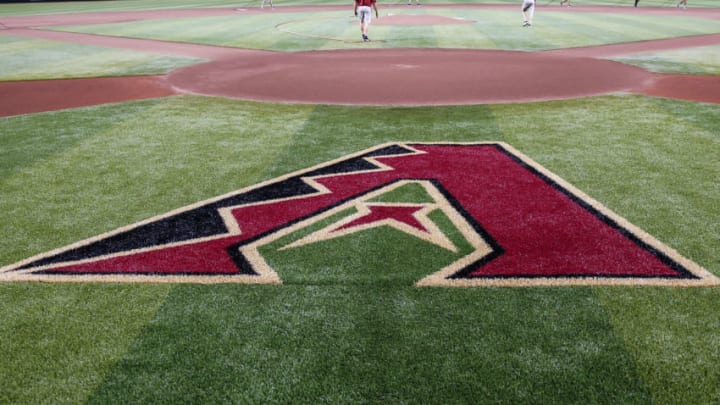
(73, 174)
(492, 29)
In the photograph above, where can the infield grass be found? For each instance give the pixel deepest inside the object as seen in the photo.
(704, 60)
(349, 337)
(34, 59)
(131, 5)
(491, 29)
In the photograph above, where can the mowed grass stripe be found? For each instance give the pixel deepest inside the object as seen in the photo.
(680, 23)
(331, 132)
(188, 149)
(338, 30)
(577, 30)
(586, 29)
(35, 59)
(223, 30)
(672, 336)
(131, 5)
(30, 140)
(342, 344)
(118, 5)
(703, 60)
(59, 341)
(60, 185)
(552, 30)
(482, 34)
(655, 26)
(504, 29)
(257, 33)
(13, 45)
(689, 153)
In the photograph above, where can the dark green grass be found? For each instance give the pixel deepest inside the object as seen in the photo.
(344, 344)
(340, 335)
(58, 342)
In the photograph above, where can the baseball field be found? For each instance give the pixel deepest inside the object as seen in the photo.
(206, 201)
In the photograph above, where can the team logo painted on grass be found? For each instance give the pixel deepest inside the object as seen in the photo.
(478, 214)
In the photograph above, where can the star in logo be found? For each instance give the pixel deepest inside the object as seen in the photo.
(409, 218)
(373, 210)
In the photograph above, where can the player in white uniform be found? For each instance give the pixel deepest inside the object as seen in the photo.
(528, 12)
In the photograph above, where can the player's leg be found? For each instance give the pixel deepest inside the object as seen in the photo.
(365, 16)
(531, 12)
(528, 12)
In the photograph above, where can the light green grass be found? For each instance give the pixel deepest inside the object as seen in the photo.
(345, 336)
(33, 59)
(492, 29)
(132, 5)
(704, 60)
(126, 142)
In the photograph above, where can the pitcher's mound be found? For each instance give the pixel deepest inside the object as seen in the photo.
(407, 77)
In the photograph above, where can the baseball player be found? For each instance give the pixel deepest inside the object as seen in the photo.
(363, 10)
(528, 12)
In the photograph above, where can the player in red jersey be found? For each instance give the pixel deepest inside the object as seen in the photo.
(363, 10)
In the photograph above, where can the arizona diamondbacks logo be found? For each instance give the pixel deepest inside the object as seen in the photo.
(442, 214)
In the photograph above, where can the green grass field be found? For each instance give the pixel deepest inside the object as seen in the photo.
(131, 5)
(703, 60)
(344, 335)
(492, 29)
(35, 59)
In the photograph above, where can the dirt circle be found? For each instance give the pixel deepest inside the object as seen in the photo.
(407, 77)
(360, 76)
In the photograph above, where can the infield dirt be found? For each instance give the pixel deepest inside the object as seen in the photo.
(390, 77)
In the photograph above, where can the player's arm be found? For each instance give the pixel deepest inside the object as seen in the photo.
(355, 9)
(376, 10)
